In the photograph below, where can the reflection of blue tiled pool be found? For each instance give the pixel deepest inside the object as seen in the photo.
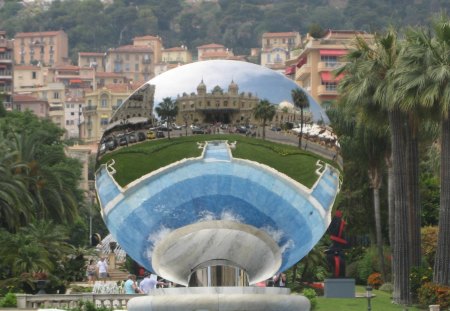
(213, 188)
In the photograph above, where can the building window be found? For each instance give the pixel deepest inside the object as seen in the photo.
(72, 113)
(67, 106)
(330, 61)
(127, 67)
(33, 75)
(119, 102)
(330, 86)
(104, 102)
(55, 95)
(136, 67)
(104, 121)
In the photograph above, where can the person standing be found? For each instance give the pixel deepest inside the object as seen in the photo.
(147, 283)
(102, 267)
(130, 286)
(90, 271)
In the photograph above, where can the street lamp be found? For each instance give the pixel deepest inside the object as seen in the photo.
(369, 297)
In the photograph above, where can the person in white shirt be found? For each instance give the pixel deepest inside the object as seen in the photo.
(102, 267)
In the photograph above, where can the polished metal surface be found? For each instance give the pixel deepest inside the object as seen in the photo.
(218, 272)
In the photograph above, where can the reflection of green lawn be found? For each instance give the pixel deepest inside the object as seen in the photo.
(382, 302)
(139, 159)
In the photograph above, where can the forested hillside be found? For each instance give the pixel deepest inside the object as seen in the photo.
(93, 25)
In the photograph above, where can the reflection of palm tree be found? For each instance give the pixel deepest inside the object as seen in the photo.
(264, 111)
(301, 101)
(167, 110)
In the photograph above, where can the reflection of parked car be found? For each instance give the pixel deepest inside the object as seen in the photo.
(198, 130)
(160, 134)
(111, 143)
(241, 129)
(275, 128)
(132, 138)
(141, 136)
(123, 140)
(176, 127)
(151, 135)
(102, 148)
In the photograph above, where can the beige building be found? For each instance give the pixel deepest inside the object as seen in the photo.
(313, 68)
(136, 63)
(229, 107)
(38, 106)
(6, 70)
(213, 51)
(46, 48)
(92, 60)
(73, 115)
(99, 107)
(276, 48)
(178, 55)
(154, 42)
(107, 78)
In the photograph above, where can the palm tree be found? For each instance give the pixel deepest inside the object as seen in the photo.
(301, 101)
(167, 110)
(426, 79)
(264, 111)
(370, 78)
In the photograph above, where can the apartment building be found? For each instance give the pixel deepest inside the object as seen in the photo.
(107, 78)
(136, 63)
(73, 116)
(39, 107)
(178, 55)
(92, 60)
(155, 42)
(46, 48)
(6, 70)
(276, 48)
(313, 67)
(213, 51)
(99, 107)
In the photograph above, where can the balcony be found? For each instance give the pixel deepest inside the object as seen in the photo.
(146, 61)
(5, 57)
(5, 74)
(327, 90)
(329, 66)
(5, 88)
(89, 109)
(303, 72)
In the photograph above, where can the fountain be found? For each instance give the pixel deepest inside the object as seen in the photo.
(217, 225)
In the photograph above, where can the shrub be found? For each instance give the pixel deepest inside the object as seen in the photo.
(387, 287)
(375, 280)
(429, 243)
(431, 294)
(418, 277)
(370, 263)
(311, 295)
(9, 301)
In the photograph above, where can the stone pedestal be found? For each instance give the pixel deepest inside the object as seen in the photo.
(220, 299)
(339, 288)
(111, 261)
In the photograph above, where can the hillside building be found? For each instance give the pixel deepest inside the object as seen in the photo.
(313, 68)
(213, 51)
(6, 70)
(46, 48)
(276, 48)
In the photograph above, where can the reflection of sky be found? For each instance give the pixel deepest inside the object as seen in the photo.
(260, 81)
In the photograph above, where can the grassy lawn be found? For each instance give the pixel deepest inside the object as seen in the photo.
(381, 302)
(139, 159)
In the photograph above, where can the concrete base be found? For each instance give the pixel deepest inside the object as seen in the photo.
(220, 299)
(339, 288)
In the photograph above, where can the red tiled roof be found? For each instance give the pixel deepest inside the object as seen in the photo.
(210, 46)
(148, 37)
(175, 49)
(108, 75)
(26, 98)
(90, 54)
(132, 48)
(279, 34)
(38, 34)
(26, 67)
(66, 67)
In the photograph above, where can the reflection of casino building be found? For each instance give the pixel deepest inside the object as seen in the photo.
(217, 106)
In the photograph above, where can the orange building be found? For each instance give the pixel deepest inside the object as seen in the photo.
(47, 48)
(39, 107)
(213, 51)
(136, 63)
(92, 60)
